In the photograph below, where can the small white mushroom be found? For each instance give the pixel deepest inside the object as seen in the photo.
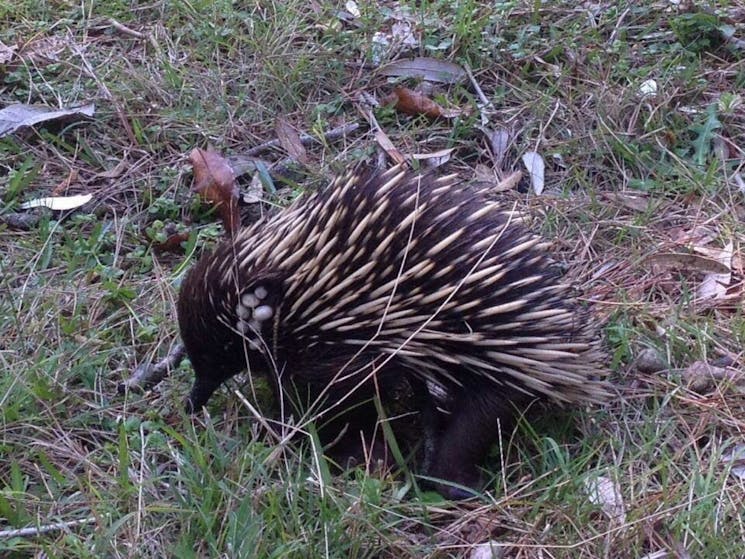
(249, 300)
(261, 292)
(243, 327)
(263, 312)
(242, 312)
(254, 344)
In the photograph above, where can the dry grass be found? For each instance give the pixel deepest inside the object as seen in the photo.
(86, 298)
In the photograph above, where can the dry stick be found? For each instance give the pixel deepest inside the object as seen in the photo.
(306, 139)
(485, 103)
(126, 30)
(148, 375)
(36, 530)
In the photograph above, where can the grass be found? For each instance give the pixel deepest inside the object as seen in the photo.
(85, 472)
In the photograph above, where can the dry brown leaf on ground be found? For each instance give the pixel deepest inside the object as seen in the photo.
(116, 172)
(495, 181)
(424, 68)
(290, 140)
(434, 159)
(636, 202)
(509, 182)
(696, 236)
(385, 142)
(214, 181)
(412, 102)
(6, 53)
(173, 243)
(714, 286)
(735, 456)
(499, 143)
(686, 261)
(380, 136)
(14, 117)
(536, 170)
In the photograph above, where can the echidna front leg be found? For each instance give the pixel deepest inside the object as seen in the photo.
(477, 419)
(432, 421)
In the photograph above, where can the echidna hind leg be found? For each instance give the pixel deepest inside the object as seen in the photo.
(473, 427)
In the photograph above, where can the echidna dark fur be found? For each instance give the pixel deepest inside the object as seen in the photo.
(383, 276)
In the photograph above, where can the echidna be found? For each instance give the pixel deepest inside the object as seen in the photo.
(384, 276)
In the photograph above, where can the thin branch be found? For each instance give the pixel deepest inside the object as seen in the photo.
(126, 30)
(147, 375)
(306, 139)
(37, 530)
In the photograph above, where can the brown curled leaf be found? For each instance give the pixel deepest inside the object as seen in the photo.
(214, 181)
(172, 244)
(290, 140)
(412, 102)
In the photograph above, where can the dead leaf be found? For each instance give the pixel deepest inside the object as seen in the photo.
(740, 182)
(6, 53)
(214, 181)
(536, 169)
(714, 286)
(736, 456)
(58, 202)
(172, 243)
(697, 236)
(424, 68)
(686, 261)
(434, 159)
(385, 142)
(483, 173)
(636, 202)
(290, 140)
(509, 182)
(412, 102)
(255, 191)
(14, 117)
(499, 142)
(116, 172)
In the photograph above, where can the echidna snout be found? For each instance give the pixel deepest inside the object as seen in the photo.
(384, 276)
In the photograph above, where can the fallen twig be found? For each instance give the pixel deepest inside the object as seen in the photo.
(36, 530)
(146, 375)
(126, 30)
(306, 139)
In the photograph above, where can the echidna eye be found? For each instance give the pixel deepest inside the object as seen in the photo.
(263, 312)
